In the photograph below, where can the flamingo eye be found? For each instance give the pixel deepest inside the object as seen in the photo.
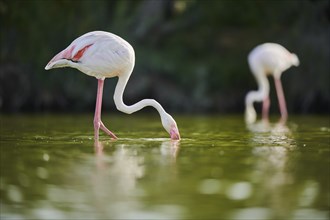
(80, 53)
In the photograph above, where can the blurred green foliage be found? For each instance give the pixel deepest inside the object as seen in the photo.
(190, 55)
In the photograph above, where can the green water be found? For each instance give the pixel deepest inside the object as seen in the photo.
(52, 169)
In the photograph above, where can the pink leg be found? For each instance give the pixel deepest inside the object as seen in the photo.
(97, 118)
(265, 108)
(281, 100)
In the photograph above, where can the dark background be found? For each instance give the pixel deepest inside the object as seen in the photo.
(191, 56)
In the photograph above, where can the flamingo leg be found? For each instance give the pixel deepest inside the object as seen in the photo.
(281, 99)
(265, 108)
(97, 117)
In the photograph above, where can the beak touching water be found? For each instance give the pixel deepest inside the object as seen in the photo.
(174, 133)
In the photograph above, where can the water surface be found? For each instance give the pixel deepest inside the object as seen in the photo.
(52, 169)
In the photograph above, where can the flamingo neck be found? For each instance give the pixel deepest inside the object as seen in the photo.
(256, 96)
(129, 109)
(261, 93)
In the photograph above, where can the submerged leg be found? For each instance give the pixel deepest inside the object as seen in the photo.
(281, 99)
(97, 118)
(265, 108)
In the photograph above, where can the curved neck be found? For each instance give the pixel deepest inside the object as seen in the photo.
(256, 96)
(129, 109)
(261, 93)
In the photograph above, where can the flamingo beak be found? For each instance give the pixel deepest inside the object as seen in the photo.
(174, 133)
(59, 60)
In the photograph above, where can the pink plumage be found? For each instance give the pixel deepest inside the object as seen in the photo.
(104, 55)
(268, 59)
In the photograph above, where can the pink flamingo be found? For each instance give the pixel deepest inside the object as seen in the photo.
(272, 59)
(105, 55)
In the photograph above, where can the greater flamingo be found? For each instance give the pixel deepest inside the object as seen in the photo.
(268, 59)
(105, 55)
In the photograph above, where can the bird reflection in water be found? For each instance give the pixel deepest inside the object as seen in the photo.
(123, 168)
(272, 144)
(170, 148)
(118, 192)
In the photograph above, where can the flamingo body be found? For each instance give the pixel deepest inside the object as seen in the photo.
(268, 59)
(104, 55)
(98, 53)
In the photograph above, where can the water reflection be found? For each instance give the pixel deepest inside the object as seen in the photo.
(117, 192)
(170, 148)
(274, 148)
(263, 172)
(123, 168)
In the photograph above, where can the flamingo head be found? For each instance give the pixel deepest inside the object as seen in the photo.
(294, 59)
(250, 112)
(250, 115)
(170, 126)
(72, 56)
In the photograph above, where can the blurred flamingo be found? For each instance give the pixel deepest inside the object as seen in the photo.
(268, 59)
(105, 55)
